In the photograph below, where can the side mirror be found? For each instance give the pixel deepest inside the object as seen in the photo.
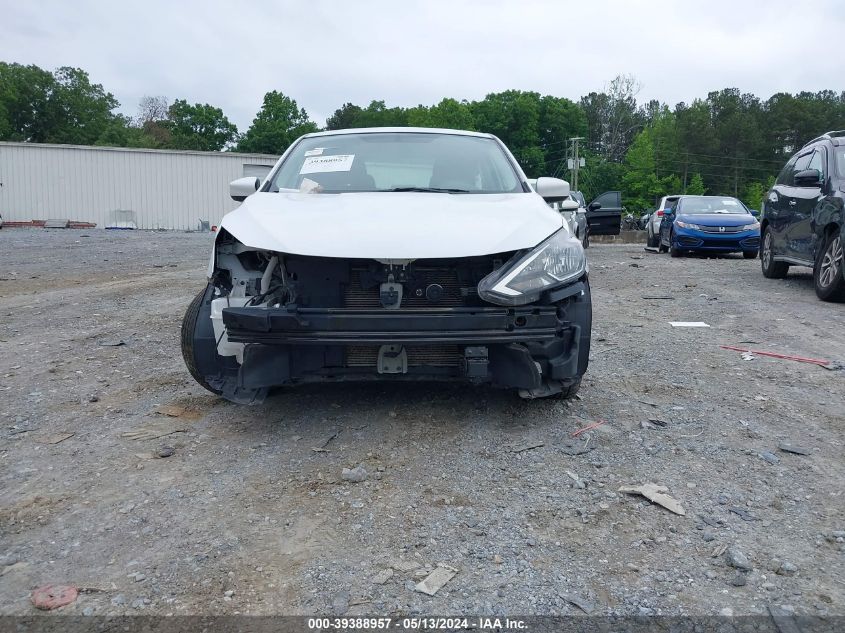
(807, 177)
(594, 206)
(568, 205)
(754, 212)
(242, 187)
(552, 189)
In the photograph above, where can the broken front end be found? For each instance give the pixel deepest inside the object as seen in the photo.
(516, 320)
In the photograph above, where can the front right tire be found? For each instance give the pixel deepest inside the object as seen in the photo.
(771, 268)
(189, 326)
(652, 240)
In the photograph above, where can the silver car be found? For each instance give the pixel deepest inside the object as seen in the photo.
(574, 212)
(657, 217)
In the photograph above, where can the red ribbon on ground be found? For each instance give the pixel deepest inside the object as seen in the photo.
(800, 359)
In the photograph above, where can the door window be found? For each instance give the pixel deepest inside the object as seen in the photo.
(801, 164)
(610, 200)
(785, 176)
(817, 162)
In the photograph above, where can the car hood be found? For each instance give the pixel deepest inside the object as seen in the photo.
(717, 219)
(394, 225)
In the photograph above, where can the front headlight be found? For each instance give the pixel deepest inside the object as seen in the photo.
(555, 262)
(751, 227)
(687, 225)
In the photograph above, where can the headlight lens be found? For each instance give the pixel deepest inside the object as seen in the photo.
(751, 227)
(556, 261)
(687, 225)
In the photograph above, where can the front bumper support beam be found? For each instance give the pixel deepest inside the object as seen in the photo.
(292, 325)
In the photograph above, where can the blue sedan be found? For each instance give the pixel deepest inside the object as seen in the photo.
(709, 224)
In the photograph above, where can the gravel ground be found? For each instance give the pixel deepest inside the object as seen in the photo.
(251, 512)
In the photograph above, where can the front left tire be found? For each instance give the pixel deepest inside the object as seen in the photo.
(750, 254)
(673, 251)
(771, 268)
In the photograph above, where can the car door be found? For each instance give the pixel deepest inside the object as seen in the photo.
(604, 214)
(790, 210)
(776, 207)
(806, 194)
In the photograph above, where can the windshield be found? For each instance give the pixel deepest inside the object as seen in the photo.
(397, 161)
(840, 162)
(710, 204)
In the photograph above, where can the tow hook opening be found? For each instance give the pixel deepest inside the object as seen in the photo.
(392, 359)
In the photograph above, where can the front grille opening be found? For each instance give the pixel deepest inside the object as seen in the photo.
(418, 355)
(357, 297)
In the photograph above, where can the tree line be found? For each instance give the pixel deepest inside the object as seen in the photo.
(729, 143)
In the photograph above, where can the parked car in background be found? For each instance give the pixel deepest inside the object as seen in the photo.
(574, 212)
(803, 219)
(393, 254)
(604, 214)
(711, 224)
(653, 227)
(642, 223)
(582, 231)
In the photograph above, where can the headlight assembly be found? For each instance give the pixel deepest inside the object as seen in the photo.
(556, 261)
(751, 227)
(687, 225)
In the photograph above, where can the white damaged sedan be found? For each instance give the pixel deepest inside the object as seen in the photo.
(392, 254)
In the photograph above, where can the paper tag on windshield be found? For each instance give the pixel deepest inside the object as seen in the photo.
(317, 151)
(321, 164)
(310, 186)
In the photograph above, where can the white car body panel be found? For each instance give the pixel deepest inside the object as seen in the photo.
(654, 220)
(392, 225)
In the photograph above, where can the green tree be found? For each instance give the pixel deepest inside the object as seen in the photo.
(449, 113)
(25, 110)
(736, 120)
(697, 143)
(613, 117)
(599, 175)
(514, 116)
(377, 114)
(199, 127)
(559, 120)
(344, 117)
(640, 185)
(696, 185)
(278, 124)
(78, 110)
(5, 123)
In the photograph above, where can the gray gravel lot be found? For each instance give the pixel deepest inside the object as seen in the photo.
(246, 516)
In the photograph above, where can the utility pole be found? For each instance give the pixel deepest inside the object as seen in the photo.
(576, 161)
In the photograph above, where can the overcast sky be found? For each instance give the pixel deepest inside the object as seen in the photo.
(406, 52)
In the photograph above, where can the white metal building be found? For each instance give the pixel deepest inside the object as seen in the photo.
(155, 189)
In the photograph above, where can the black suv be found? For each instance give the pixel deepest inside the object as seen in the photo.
(803, 219)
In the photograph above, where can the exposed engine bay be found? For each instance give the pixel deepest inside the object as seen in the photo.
(278, 319)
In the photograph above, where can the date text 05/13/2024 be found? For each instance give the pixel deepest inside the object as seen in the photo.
(420, 623)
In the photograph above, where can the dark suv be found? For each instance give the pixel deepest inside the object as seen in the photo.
(803, 218)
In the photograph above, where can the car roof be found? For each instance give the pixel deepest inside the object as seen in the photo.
(414, 130)
(836, 137)
(696, 195)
